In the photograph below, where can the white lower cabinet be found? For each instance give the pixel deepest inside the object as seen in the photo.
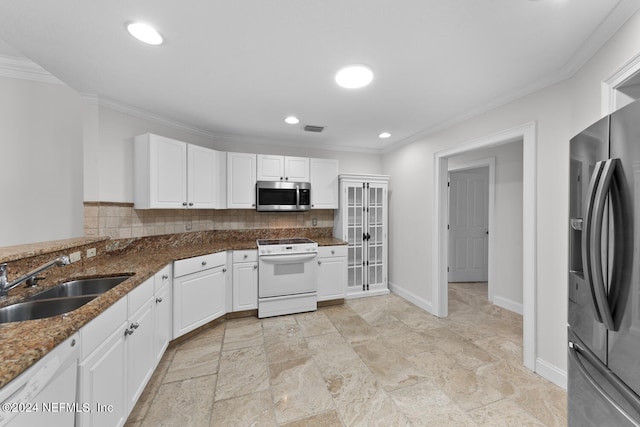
(332, 272)
(120, 351)
(199, 289)
(102, 373)
(163, 317)
(245, 280)
(141, 357)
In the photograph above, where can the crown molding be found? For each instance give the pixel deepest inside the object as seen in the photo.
(24, 69)
(605, 31)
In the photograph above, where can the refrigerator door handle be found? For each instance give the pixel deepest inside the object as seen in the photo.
(597, 274)
(574, 351)
(587, 245)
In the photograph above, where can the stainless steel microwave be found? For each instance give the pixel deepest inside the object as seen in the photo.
(273, 196)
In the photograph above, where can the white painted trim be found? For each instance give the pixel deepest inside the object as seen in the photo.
(552, 373)
(411, 297)
(489, 162)
(508, 304)
(24, 69)
(610, 85)
(528, 134)
(367, 294)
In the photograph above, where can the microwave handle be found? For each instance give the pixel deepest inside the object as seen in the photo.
(297, 196)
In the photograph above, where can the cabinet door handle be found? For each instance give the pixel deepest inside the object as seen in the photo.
(128, 332)
(165, 276)
(184, 203)
(190, 203)
(319, 262)
(135, 325)
(333, 252)
(255, 266)
(158, 300)
(224, 270)
(204, 263)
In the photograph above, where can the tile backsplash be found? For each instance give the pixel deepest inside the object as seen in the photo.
(121, 220)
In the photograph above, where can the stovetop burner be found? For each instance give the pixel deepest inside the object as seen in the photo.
(292, 241)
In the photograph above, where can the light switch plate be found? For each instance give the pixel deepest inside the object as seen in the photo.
(91, 252)
(75, 256)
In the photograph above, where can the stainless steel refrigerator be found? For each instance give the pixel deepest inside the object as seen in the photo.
(604, 281)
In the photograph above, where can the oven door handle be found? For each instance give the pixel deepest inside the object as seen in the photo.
(287, 259)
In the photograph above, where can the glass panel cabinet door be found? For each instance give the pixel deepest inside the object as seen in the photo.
(355, 233)
(375, 235)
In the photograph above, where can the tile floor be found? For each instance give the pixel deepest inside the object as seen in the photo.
(378, 361)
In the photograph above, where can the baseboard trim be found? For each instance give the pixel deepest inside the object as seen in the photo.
(508, 304)
(411, 297)
(551, 373)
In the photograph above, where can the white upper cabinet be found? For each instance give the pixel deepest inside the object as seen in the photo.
(241, 181)
(296, 169)
(206, 178)
(282, 168)
(171, 174)
(325, 192)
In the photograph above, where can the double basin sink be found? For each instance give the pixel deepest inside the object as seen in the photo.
(60, 299)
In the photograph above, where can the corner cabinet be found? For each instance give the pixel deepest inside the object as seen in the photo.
(171, 174)
(199, 291)
(362, 222)
(241, 181)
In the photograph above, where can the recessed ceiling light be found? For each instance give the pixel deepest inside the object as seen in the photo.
(145, 33)
(354, 76)
(292, 120)
(384, 135)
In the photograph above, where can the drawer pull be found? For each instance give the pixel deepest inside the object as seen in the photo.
(204, 263)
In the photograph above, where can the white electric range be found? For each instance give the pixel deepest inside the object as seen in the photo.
(287, 276)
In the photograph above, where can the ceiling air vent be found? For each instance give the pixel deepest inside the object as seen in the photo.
(317, 129)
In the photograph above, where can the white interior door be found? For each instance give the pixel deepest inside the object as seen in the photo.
(468, 225)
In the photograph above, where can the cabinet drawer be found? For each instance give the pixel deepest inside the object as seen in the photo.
(138, 296)
(245, 256)
(332, 251)
(199, 263)
(94, 333)
(162, 278)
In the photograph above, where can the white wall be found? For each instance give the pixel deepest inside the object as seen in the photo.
(560, 111)
(40, 162)
(507, 232)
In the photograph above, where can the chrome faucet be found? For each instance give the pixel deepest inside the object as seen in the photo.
(6, 286)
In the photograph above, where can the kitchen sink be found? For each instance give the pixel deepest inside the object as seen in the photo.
(40, 309)
(81, 287)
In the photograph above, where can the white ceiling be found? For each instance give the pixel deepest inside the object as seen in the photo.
(237, 68)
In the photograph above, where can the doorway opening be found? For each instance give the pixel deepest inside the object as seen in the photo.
(527, 134)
